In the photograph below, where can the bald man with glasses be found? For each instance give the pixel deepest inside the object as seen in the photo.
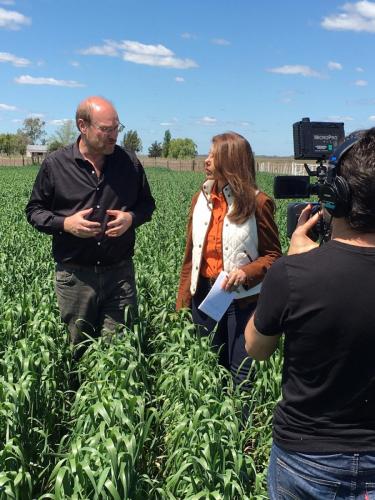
(90, 196)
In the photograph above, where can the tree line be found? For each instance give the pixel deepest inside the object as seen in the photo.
(169, 148)
(173, 148)
(32, 132)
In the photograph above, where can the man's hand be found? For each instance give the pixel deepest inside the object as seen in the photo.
(119, 224)
(77, 225)
(235, 278)
(300, 242)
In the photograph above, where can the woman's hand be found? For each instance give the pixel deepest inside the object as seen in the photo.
(235, 278)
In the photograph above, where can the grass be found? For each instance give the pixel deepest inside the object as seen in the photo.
(154, 416)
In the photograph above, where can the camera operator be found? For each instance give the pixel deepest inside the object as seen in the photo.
(324, 425)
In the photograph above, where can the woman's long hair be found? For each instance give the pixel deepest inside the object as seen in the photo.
(234, 160)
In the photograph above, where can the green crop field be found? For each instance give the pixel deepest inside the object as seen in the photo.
(155, 416)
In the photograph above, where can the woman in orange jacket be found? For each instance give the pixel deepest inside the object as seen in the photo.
(231, 227)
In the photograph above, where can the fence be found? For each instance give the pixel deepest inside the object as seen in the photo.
(15, 161)
(197, 165)
(193, 165)
(291, 168)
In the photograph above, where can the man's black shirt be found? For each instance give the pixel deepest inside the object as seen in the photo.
(323, 301)
(67, 183)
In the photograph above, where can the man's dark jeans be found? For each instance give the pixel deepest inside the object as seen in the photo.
(93, 300)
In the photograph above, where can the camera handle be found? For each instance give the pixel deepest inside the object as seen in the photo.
(321, 174)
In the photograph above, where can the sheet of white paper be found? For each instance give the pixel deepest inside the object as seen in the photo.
(217, 300)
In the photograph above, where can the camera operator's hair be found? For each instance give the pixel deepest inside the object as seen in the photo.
(234, 160)
(358, 169)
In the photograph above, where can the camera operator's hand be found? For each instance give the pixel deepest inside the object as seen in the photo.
(300, 241)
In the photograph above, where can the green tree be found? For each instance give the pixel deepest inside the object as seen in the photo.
(64, 135)
(155, 150)
(132, 141)
(53, 145)
(21, 141)
(166, 143)
(33, 129)
(11, 144)
(182, 148)
(6, 143)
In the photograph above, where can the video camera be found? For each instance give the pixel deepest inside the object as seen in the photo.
(313, 141)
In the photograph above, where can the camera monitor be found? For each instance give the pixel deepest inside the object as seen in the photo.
(316, 140)
(291, 186)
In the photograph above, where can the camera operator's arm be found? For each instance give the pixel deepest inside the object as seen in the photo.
(300, 241)
(264, 328)
(258, 346)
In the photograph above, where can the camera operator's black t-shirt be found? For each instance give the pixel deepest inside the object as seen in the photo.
(324, 302)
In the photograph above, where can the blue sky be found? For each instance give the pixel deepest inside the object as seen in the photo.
(197, 68)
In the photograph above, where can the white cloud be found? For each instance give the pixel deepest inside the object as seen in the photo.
(12, 20)
(358, 16)
(36, 115)
(372, 118)
(361, 102)
(152, 60)
(144, 49)
(16, 120)
(207, 120)
(361, 83)
(104, 50)
(233, 124)
(170, 122)
(30, 80)
(179, 79)
(296, 69)
(359, 69)
(332, 65)
(140, 53)
(75, 64)
(339, 118)
(7, 107)
(189, 36)
(220, 41)
(5, 57)
(59, 121)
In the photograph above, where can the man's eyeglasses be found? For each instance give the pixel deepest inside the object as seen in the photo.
(109, 130)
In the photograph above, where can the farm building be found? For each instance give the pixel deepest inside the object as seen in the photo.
(37, 152)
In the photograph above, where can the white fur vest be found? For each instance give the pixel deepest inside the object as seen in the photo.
(239, 241)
